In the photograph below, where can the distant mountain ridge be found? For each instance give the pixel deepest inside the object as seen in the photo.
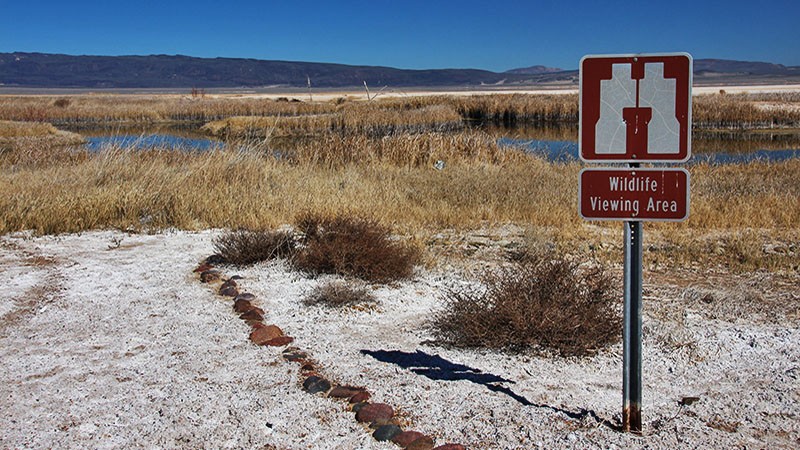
(42, 70)
(704, 66)
(535, 70)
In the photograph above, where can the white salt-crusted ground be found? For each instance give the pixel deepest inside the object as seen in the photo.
(109, 344)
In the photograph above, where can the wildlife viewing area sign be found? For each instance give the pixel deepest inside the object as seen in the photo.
(634, 109)
(636, 194)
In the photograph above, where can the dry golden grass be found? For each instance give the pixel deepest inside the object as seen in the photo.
(36, 143)
(745, 216)
(508, 109)
(11, 129)
(158, 189)
(109, 109)
(738, 250)
(391, 180)
(406, 150)
(755, 195)
(13, 132)
(745, 111)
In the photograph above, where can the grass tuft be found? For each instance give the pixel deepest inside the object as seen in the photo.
(338, 294)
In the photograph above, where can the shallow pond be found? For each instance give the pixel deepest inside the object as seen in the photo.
(566, 151)
(560, 144)
(95, 143)
(556, 143)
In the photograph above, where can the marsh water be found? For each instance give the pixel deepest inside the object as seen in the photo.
(558, 143)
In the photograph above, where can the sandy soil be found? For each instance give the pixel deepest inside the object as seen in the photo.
(329, 94)
(108, 340)
(553, 90)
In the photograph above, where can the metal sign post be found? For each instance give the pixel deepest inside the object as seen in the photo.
(634, 109)
(632, 331)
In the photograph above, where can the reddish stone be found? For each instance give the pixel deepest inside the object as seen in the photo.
(295, 356)
(450, 447)
(242, 306)
(405, 438)
(279, 341)
(253, 314)
(203, 267)
(210, 275)
(316, 384)
(261, 336)
(362, 396)
(307, 367)
(215, 259)
(257, 325)
(423, 443)
(344, 391)
(228, 291)
(375, 412)
(245, 296)
(229, 283)
(386, 432)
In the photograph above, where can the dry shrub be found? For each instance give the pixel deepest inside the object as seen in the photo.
(543, 302)
(339, 293)
(248, 247)
(354, 247)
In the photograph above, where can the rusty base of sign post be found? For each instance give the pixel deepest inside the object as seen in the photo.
(632, 419)
(632, 331)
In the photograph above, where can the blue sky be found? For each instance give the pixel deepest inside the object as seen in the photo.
(407, 34)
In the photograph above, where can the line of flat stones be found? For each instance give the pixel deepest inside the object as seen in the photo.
(379, 417)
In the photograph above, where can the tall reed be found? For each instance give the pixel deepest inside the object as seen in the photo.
(709, 111)
(369, 119)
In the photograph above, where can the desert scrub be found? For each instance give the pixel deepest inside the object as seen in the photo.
(541, 302)
(242, 247)
(339, 294)
(354, 247)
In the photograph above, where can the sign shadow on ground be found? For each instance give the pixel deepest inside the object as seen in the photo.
(437, 368)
